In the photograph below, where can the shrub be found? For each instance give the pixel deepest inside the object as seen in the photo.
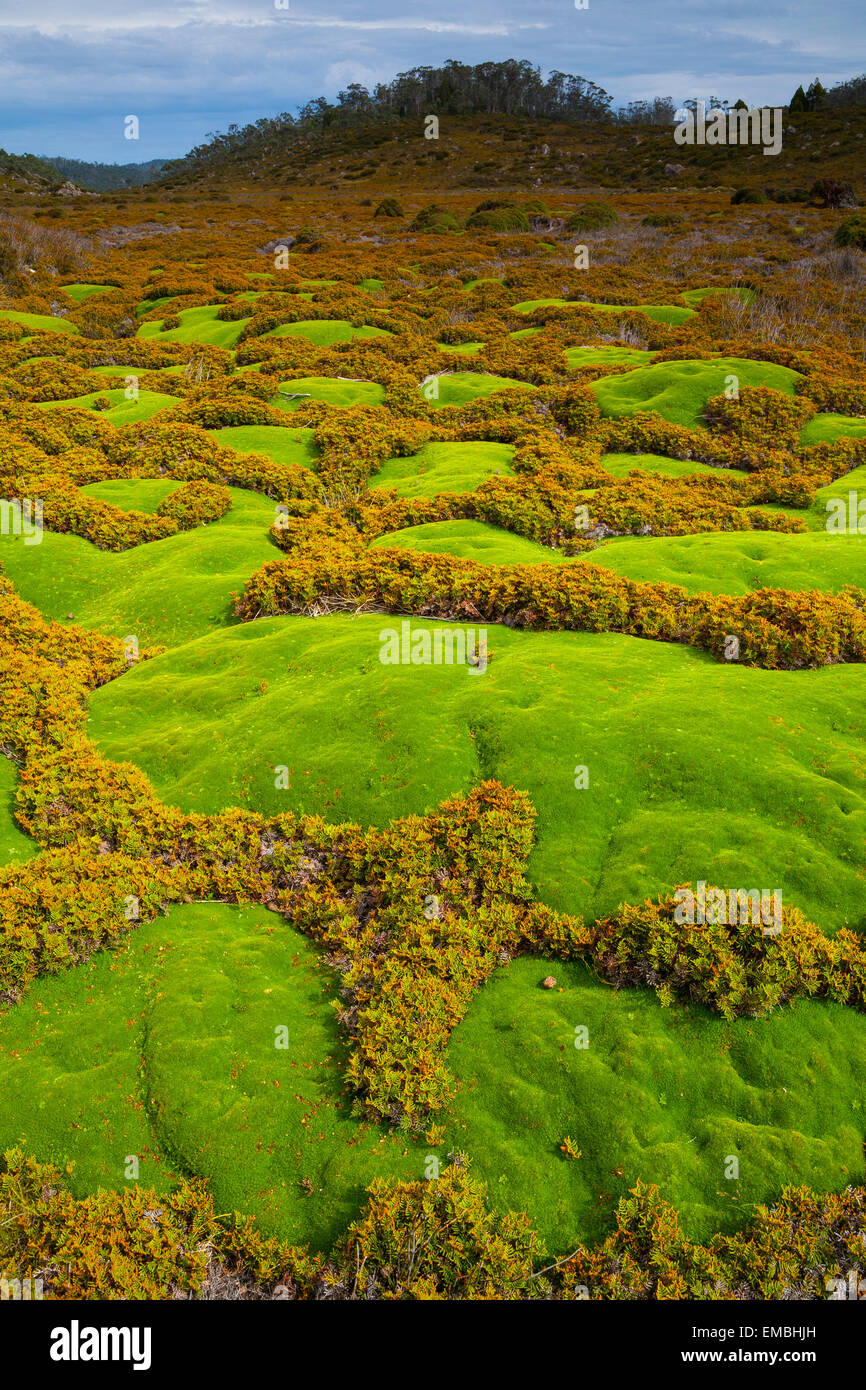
(230, 313)
(788, 1251)
(835, 394)
(195, 504)
(591, 217)
(50, 379)
(135, 1244)
(777, 629)
(435, 220)
(389, 207)
(748, 195)
(576, 409)
(760, 414)
(466, 1252)
(308, 241)
(26, 244)
(788, 195)
(504, 219)
(852, 232)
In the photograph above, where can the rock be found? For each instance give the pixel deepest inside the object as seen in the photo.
(271, 246)
(546, 224)
(674, 169)
(548, 982)
(70, 616)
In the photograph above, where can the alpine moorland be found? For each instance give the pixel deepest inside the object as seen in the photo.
(433, 792)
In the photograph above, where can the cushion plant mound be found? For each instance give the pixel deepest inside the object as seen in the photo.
(277, 443)
(678, 391)
(826, 428)
(368, 741)
(122, 411)
(661, 313)
(695, 297)
(165, 592)
(138, 1039)
(462, 349)
(333, 391)
(475, 540)
(740, 562)
(602, 356)
(199, 325)
(38, 323)
(133, 494)
(671, 1094)
(457, 387)
(80, 292)
(620, 465)
(441, 467)
(325, 332)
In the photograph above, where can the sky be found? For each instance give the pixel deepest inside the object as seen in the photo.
(70, 76)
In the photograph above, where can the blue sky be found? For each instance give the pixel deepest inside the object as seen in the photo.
(185, 67)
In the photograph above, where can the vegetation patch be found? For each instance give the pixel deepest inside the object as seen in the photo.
(667, 1096)
(442, 467)
(679, 391)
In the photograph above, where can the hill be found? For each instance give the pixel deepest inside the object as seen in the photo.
(105, 177)
(475, 151)
(26, 173)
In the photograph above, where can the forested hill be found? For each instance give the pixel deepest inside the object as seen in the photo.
(105, 177)
(505, 123)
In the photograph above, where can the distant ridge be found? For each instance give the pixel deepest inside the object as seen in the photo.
(105, 177)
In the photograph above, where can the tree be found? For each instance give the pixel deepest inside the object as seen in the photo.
(798, 102)
(816, 97)
(850, 93)
(832, 193)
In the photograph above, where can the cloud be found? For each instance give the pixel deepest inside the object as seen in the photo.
(187, 67)
(339, 75)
